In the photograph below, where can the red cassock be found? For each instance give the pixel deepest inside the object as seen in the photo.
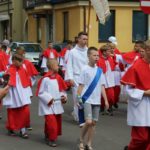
(23, 75)
(30, 68)
(3, 61)
(18, 117)
(130, 56)
(47, 52)
(101, 63)
(138, 75)
(63, 52)
(116, 51)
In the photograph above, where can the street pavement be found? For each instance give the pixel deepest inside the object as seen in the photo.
(111, 133)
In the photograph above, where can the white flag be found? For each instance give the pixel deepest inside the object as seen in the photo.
(102, 9)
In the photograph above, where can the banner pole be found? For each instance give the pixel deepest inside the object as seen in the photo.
(89, 17)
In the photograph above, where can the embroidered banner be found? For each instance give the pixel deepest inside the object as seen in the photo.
(102, 9)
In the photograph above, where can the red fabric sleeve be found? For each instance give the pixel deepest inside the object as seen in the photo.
(129, 77)
(30, 68)
(61, 83)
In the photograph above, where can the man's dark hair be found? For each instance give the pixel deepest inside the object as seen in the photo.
(92, 48)
(82, 33)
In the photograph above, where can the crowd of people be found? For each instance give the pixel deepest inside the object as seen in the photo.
(94, 76)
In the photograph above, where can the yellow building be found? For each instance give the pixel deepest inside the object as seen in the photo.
(12, 19)
(61, 20)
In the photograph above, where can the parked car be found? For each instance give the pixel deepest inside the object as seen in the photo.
(33, 50)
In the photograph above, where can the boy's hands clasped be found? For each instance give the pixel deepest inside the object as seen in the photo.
(63, 100)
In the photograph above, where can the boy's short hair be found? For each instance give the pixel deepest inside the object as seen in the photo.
(4, 47)
(17, 57)
(112, 45)
(50, 62)
(141, 43)
(147, 44)
(82, 33)
(50, 41)
(92, 48)
(69, 42)
(104, 48)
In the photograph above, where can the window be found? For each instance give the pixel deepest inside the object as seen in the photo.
(139, 26)
(13, 47)
(66, 25)
(107, 30)
(39, 37)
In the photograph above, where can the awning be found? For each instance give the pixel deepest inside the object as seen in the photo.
(4, 17)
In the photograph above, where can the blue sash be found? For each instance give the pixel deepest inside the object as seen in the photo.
(92, 86)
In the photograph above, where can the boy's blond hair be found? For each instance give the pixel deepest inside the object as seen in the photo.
(51, 62)
(105, 47)
(112, 45)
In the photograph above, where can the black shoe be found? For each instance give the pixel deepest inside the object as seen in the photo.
(126, 148)
(88, 147)
(110, 111)
(116, 105)
(11, 133)
(29, 128)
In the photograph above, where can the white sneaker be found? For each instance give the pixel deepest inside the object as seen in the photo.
(81, 125)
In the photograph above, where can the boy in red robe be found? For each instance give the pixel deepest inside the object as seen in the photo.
(51, 93)
(137, 85)
(107, 63)
(50, 52)
(130, 57)
(32, 72)
(18, 99)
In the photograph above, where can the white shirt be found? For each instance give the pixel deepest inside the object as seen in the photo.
(117, 71)
(87, 75)
(109, 76)
(76, 61)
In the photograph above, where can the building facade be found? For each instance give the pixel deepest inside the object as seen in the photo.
(61, 20)
(12, 20)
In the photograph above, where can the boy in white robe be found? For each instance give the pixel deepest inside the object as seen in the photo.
(76, 61)
(51, 93)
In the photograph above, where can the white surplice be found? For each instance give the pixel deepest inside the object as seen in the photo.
(48, 90)
(138, 107)
(17, 96)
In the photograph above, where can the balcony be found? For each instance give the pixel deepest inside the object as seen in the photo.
(34, 3)
(27, 4)
(3, 1)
